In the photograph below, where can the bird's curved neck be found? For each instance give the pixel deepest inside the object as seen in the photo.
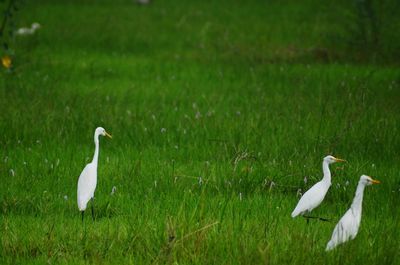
(357, 201)
(327, 173)
(96, 150)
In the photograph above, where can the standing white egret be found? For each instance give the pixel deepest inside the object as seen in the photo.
(316, 194)
(348, 225)
(28, 31)
(88, 179)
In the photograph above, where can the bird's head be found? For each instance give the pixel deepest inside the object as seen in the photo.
(367, 180)
(102, 131)
(36, 26)
(331, 159)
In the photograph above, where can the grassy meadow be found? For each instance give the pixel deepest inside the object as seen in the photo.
(221, 113)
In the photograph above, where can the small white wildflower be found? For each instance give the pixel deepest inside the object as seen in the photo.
(200, 181)
(198, 115)
(347, 183)
(299, 193)
(240, 196)
(66, 197)
(155, 183)
(176, 147)
(265, 182)
(24, 163)
(153, 117)
(305, 180)
(163, 130)
(12, 172)
(113, 190)
(57, 162)
(271, 185)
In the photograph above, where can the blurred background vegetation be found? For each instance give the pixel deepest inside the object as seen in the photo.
(357, 31)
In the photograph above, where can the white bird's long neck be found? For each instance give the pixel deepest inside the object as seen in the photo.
(327, 173)
(357, 201)
(96, 150)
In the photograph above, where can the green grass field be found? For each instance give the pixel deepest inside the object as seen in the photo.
(218, 112)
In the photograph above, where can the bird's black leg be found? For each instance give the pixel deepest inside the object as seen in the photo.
(83, 213)
(92, 209)
(316, 217)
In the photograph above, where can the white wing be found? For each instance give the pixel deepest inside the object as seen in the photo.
(86, 185)
(346, 229)
(311, 199)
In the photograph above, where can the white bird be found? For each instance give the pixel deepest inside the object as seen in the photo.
(28, 31)
(347, 228)
(316, 194)
(88, 179)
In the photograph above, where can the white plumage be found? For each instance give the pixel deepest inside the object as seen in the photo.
(316, 194)
(87, 185)
(88, 179)
(28, 31)
(347, 227)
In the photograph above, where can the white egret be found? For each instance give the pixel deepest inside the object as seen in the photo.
(316, 194)
(347, 227)
(28, 31)
(88, 179)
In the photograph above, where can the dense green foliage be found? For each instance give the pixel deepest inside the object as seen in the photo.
(218, 112)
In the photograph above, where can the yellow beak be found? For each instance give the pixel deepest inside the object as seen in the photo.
(108, 135)
(374, 181)
(340, 160)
